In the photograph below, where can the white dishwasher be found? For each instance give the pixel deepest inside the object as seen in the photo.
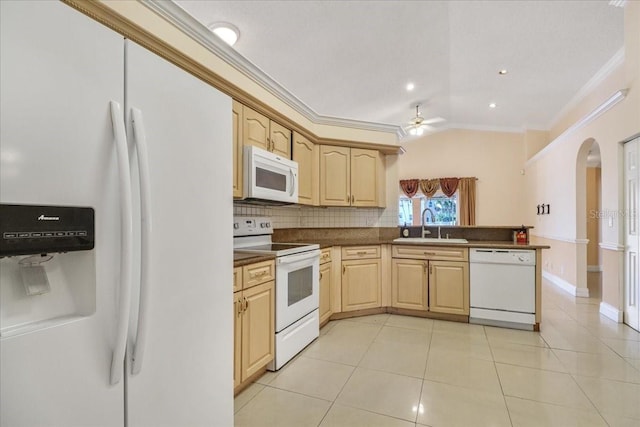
(503, 287)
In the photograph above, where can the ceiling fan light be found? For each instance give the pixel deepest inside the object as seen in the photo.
(413, 131)
(419, 131)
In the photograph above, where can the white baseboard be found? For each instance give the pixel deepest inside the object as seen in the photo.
(594, 268)
(611, 312)
(566, 286)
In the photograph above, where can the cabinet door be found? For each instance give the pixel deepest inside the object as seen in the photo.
(449, 287)
(258, 328)
(280, 138)
(325, 292)
(335, 176)
(237, 338)
(409, 284)
(364, 177)
(361, 284)
(237, 150)
(255, 129)
(237, 279)
(307, 155)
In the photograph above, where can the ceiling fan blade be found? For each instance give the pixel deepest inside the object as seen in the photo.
(433, 120)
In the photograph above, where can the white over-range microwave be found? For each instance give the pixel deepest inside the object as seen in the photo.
(269, 177)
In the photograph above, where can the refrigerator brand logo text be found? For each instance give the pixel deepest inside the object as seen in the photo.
(48, 218)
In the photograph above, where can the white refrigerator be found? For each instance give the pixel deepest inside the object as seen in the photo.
(157, 285)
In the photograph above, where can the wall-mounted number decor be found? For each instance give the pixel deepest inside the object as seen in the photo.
(544, 209)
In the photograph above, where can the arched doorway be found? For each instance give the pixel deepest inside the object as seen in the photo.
(588, 220)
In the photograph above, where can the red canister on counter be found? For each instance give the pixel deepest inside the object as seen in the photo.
(521, 236)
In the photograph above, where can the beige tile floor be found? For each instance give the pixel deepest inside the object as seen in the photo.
(581, 370)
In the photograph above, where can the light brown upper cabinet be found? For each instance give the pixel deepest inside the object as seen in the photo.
(307, 154)
(262, 132)
(351, 177)
(237, 150)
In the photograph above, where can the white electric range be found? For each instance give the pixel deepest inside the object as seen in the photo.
(297, 285)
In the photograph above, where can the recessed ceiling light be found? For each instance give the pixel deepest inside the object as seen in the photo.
(492, 105)
(227, 32)
(410, 87)
(503, 72)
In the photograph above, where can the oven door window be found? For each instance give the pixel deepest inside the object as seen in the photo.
(270, 179)
(300, 285)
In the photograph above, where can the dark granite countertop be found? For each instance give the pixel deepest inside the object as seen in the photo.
(243, 258)
(324, 243)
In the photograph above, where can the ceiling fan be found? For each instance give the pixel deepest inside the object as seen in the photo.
(418, 124)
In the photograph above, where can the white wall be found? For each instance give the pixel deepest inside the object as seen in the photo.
(495, 158)
(551, 175)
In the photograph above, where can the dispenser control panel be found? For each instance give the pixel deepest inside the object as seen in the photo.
(32, 229)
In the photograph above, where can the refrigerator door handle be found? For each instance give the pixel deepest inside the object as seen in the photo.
(140, 139)
(126, 250)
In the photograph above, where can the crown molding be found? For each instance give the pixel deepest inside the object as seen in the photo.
(585, 120)
(616, 60)
(178, 17)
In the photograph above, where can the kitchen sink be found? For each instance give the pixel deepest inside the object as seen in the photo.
(428, 240)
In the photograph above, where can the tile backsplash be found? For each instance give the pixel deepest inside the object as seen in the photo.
(296, 216)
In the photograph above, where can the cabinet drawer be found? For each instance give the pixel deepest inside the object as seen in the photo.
(260, 272)
(360, 252)
(446, 253)
(237, 279)
(325, 255)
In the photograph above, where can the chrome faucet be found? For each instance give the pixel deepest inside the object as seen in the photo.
(426, 232)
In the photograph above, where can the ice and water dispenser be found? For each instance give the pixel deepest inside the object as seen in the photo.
(47, 266)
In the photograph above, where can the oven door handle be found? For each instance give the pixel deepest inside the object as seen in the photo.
(290, 259)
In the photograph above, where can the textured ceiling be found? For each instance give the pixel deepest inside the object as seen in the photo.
(352, 59)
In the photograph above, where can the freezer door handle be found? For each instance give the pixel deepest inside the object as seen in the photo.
(140, 139)
(126, 250)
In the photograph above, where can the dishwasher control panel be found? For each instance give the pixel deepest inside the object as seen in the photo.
(503, 256)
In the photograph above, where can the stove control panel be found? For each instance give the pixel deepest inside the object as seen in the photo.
(251, 226)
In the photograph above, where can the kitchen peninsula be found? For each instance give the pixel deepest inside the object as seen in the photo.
(370, 270)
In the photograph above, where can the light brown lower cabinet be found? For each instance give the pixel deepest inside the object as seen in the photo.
(254, 330)
(449, 287)
(437, 286)
(325, 292)
(237, 338)
(409, 284)
(361, 284)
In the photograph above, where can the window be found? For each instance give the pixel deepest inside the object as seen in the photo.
(440, 209)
